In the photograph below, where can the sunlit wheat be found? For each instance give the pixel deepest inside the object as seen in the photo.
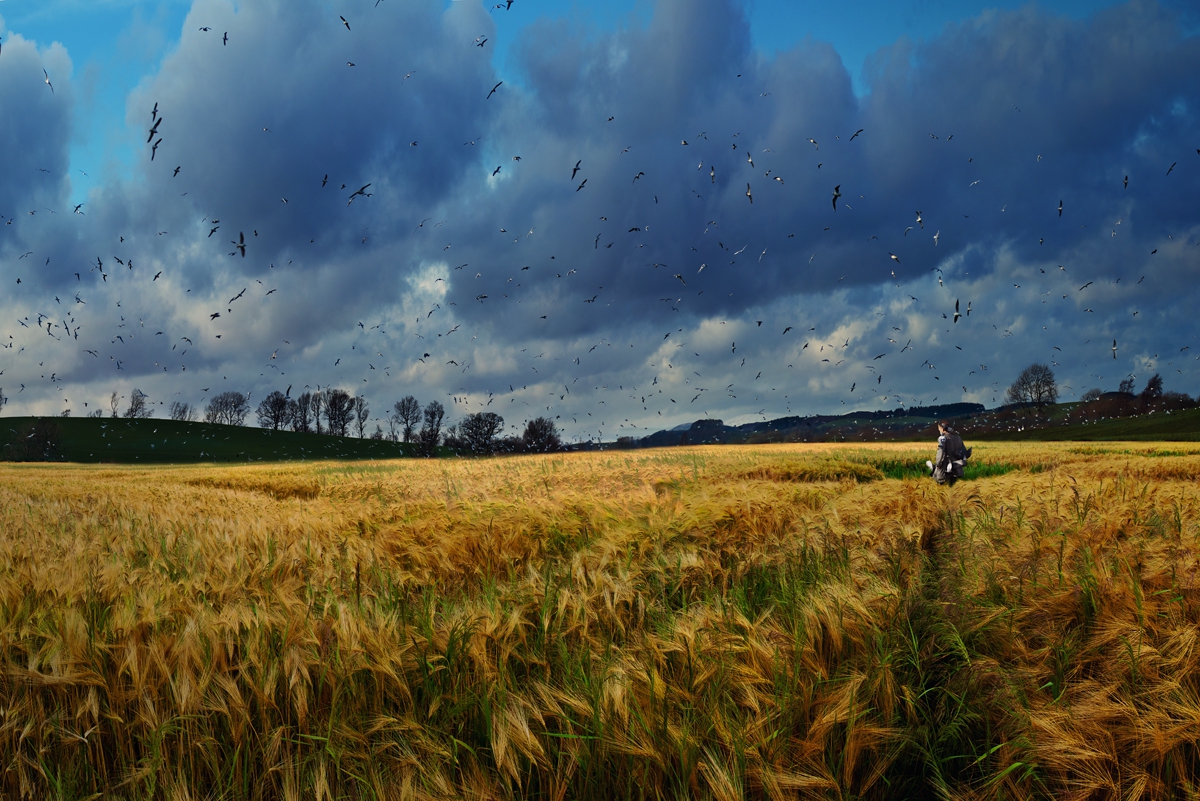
(812, 621)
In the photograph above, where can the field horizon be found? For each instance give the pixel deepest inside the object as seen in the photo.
(120, 440)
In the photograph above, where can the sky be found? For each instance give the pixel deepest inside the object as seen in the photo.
(621, 216)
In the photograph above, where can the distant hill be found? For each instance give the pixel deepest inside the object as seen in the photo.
(92, 439)
(890, 424)
(1118, 417)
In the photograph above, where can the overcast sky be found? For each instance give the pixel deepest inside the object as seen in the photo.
(621, 217)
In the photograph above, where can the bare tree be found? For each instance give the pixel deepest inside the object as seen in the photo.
(541, 436)
(138, 408)
(407, 412)
(339, 407)
(431, 431)
(272, 411)
(1034, 385)
(299, 411)
(3, 400)
(361, 412)
(1091, 395)
(184, 412)
(1126, 386)
(114, 403)
(228, 408)
(1154, 388)
(317, 405)
(479, 431)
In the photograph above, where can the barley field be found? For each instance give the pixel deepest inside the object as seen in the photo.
(815, 621)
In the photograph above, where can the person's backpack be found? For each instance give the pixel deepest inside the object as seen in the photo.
(958, 466)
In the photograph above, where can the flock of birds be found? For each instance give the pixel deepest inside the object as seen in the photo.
(671, 389)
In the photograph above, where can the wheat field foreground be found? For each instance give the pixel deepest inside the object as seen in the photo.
(769, 622)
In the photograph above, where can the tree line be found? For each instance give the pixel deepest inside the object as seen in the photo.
(1037, 386)
(336, 412)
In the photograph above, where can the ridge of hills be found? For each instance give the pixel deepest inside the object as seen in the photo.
(1114, 417)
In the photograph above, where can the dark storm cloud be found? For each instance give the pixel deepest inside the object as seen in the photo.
(1035, 109)
(36, 128)
(526, 276)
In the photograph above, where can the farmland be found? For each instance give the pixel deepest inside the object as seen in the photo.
(775, 621)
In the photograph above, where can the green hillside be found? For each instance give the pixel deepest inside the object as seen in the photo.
(90, 439)
(1180, 425)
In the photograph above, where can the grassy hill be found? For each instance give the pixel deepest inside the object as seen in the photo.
(1098, 421)
(1166, 426)
(90, 439)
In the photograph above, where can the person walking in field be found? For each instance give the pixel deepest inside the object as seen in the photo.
(951, 460)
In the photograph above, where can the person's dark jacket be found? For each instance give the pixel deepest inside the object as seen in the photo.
(951, 460)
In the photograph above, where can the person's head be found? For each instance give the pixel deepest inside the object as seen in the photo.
(943, 426)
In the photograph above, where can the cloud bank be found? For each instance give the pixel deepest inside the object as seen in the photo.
(634, 230)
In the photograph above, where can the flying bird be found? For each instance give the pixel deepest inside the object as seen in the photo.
(494, 88)
(837, 192)
(748, 195)
(575, 169)
(52, 85)
(362, 191)
(856, 133)
(343, 19)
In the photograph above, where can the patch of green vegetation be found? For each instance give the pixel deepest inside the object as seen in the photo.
(122, 441)
(1177, 426)
(987, 469)
(908, 469)
(901, 469)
